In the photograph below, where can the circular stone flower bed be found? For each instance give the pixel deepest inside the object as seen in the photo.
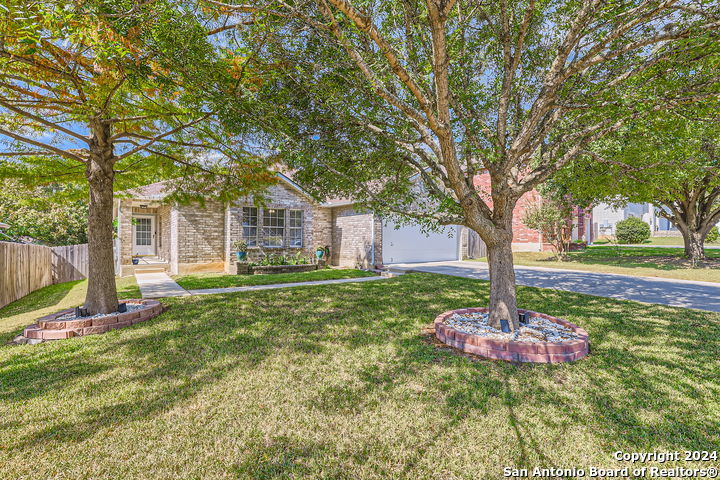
(541, 339)
(65, 324)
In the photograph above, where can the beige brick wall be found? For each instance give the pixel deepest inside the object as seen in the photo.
(174, 241)
(352, 234)
(125, 235)
(163, 231)
(317, 230)
(200, 233)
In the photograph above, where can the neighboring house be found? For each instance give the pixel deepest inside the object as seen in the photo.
(193, 238)
(526, 239)
(606, 217)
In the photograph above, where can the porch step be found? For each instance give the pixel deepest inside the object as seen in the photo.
(150, 268)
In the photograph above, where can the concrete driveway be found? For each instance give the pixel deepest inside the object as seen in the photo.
(678, 293)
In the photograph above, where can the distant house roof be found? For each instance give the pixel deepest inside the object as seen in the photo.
(338, 202)
(153, 191)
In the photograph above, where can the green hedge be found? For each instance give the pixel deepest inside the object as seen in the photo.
(713, 235)
(632, 230)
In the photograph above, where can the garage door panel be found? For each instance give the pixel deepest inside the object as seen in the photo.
(408, 244)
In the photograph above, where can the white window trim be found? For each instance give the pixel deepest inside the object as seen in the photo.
(283, 237)
(256, 227)
(301, 228)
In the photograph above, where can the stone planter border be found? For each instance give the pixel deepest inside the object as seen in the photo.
(511, 350)
(50, 328)
(245, 268)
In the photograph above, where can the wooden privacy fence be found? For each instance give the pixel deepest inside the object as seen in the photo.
(476, 247)
(26, 268)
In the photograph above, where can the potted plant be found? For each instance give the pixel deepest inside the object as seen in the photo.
(240, 250)
(320, 252)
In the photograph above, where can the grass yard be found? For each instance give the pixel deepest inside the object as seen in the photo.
(51, 299)
(339, 382)
(673, 241)
(676, 241)
(219, 280)
(639, 261)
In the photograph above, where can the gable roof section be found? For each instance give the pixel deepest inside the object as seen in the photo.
(160, 190)
(153, 191)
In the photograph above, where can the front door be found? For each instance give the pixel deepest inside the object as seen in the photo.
(144, 235)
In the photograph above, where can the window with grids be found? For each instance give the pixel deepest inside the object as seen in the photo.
(273, 227)
(250, 225)
(143, 231)
(295, 228)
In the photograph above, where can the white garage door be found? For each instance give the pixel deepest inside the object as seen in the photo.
(408, 244)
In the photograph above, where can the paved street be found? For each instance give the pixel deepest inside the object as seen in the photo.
(678, 293)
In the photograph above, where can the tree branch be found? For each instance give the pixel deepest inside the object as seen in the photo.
(36, 143)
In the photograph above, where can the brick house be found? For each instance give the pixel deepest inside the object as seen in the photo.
(526, 239)
(193, 238)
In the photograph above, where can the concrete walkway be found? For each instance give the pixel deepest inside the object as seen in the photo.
(664, 291)
(210, 291)
(158, 285)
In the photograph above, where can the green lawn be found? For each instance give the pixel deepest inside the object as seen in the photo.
(339, 382)
(23, 312)
(678, 241)
(219, 280)
(673, 241)
(639, 261)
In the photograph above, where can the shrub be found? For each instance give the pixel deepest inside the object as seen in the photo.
(551, 220)
(277, 259)
(632, 230)
(713, 235)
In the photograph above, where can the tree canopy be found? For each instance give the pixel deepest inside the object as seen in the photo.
(49, 215)
(106, 88)
(148, 74)
(671, 160)
(374, 94)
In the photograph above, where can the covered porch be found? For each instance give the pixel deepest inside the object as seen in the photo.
(143, 232)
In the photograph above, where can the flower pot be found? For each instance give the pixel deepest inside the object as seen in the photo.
(319, 254)
(241, 256)
(136, 261)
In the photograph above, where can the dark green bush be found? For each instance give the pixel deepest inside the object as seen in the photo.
(713, 235)
(632, 230)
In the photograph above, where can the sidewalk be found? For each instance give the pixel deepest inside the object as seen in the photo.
(158, 285)
(210, 291)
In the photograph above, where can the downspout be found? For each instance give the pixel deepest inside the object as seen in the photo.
(372, 240)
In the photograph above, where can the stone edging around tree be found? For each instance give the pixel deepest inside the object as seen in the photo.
(50, 328)
(510, 350)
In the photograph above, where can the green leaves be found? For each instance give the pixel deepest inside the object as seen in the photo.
(148, 70)
(49, 215)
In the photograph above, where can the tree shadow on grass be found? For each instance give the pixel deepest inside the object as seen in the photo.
(40, 299)
(648, 382)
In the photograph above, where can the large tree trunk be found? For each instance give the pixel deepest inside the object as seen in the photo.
(503, 294)
(694, 244)
(101, 293)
